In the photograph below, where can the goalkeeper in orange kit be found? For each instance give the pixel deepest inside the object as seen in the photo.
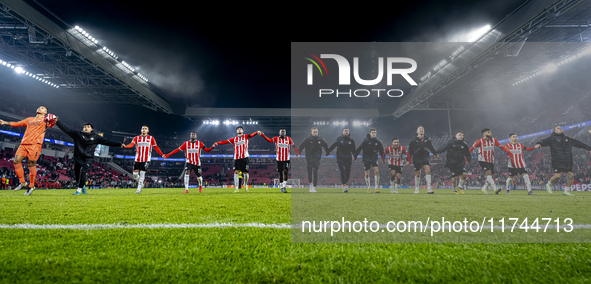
(30, 145)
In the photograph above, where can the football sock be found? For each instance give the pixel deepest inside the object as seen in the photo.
(377, 179)
(136, 176)
(18, 168)
(428, 178)
(461, 183)
(200, 179)
(417, 182)
(140, 182)
(32, 174)
(527, 182)
(245, 179)
(508, 182)
(368, 182)
(187, 181)
(79, 190)
(236, 180)
(392, 183)
(491, 182)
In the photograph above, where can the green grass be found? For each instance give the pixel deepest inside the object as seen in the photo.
(139, 255)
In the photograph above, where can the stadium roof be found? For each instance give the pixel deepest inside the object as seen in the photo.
(522, 44)
(38, 41)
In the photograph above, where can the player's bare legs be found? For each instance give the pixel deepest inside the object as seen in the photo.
(488, 182)
(427, 169)
(367, 181)
(394, 181)
(528, 184)
(18, 168)
(187, 178)
(570, 177)
(139, 176)
(417, 180)
(376, 171)
(458, 188)
(552, 180)
(32, 172)
(244, 179)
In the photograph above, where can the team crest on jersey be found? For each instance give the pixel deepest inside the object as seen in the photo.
(91, 138)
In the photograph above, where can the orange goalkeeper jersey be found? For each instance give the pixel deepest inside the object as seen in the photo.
(35, 130)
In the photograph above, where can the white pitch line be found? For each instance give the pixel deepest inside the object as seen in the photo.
(142, 226)
(446, 227)
(226, 225)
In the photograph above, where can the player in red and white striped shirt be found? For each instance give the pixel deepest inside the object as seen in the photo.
(143, 154)
(192, 149)
(240, 143)
(395, 163)
(282, 146)
(516, 164)
(486, 156)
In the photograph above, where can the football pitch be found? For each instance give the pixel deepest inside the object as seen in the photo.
(163, 235)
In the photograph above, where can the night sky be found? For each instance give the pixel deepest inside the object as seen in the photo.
(214, 56)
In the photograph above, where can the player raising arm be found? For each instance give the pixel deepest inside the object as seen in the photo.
(85, 143)
(192, 149)
(282, 146)
(143, 155)
(561, 152)
(31, 145)
(240, 142)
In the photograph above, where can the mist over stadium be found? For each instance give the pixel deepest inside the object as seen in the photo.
(514, 67)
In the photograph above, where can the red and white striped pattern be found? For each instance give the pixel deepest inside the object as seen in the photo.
(486, 149)
(283, 147)
(192, 152)
(240, 146)
(143, 148)
(395, 155)
(517, 153)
